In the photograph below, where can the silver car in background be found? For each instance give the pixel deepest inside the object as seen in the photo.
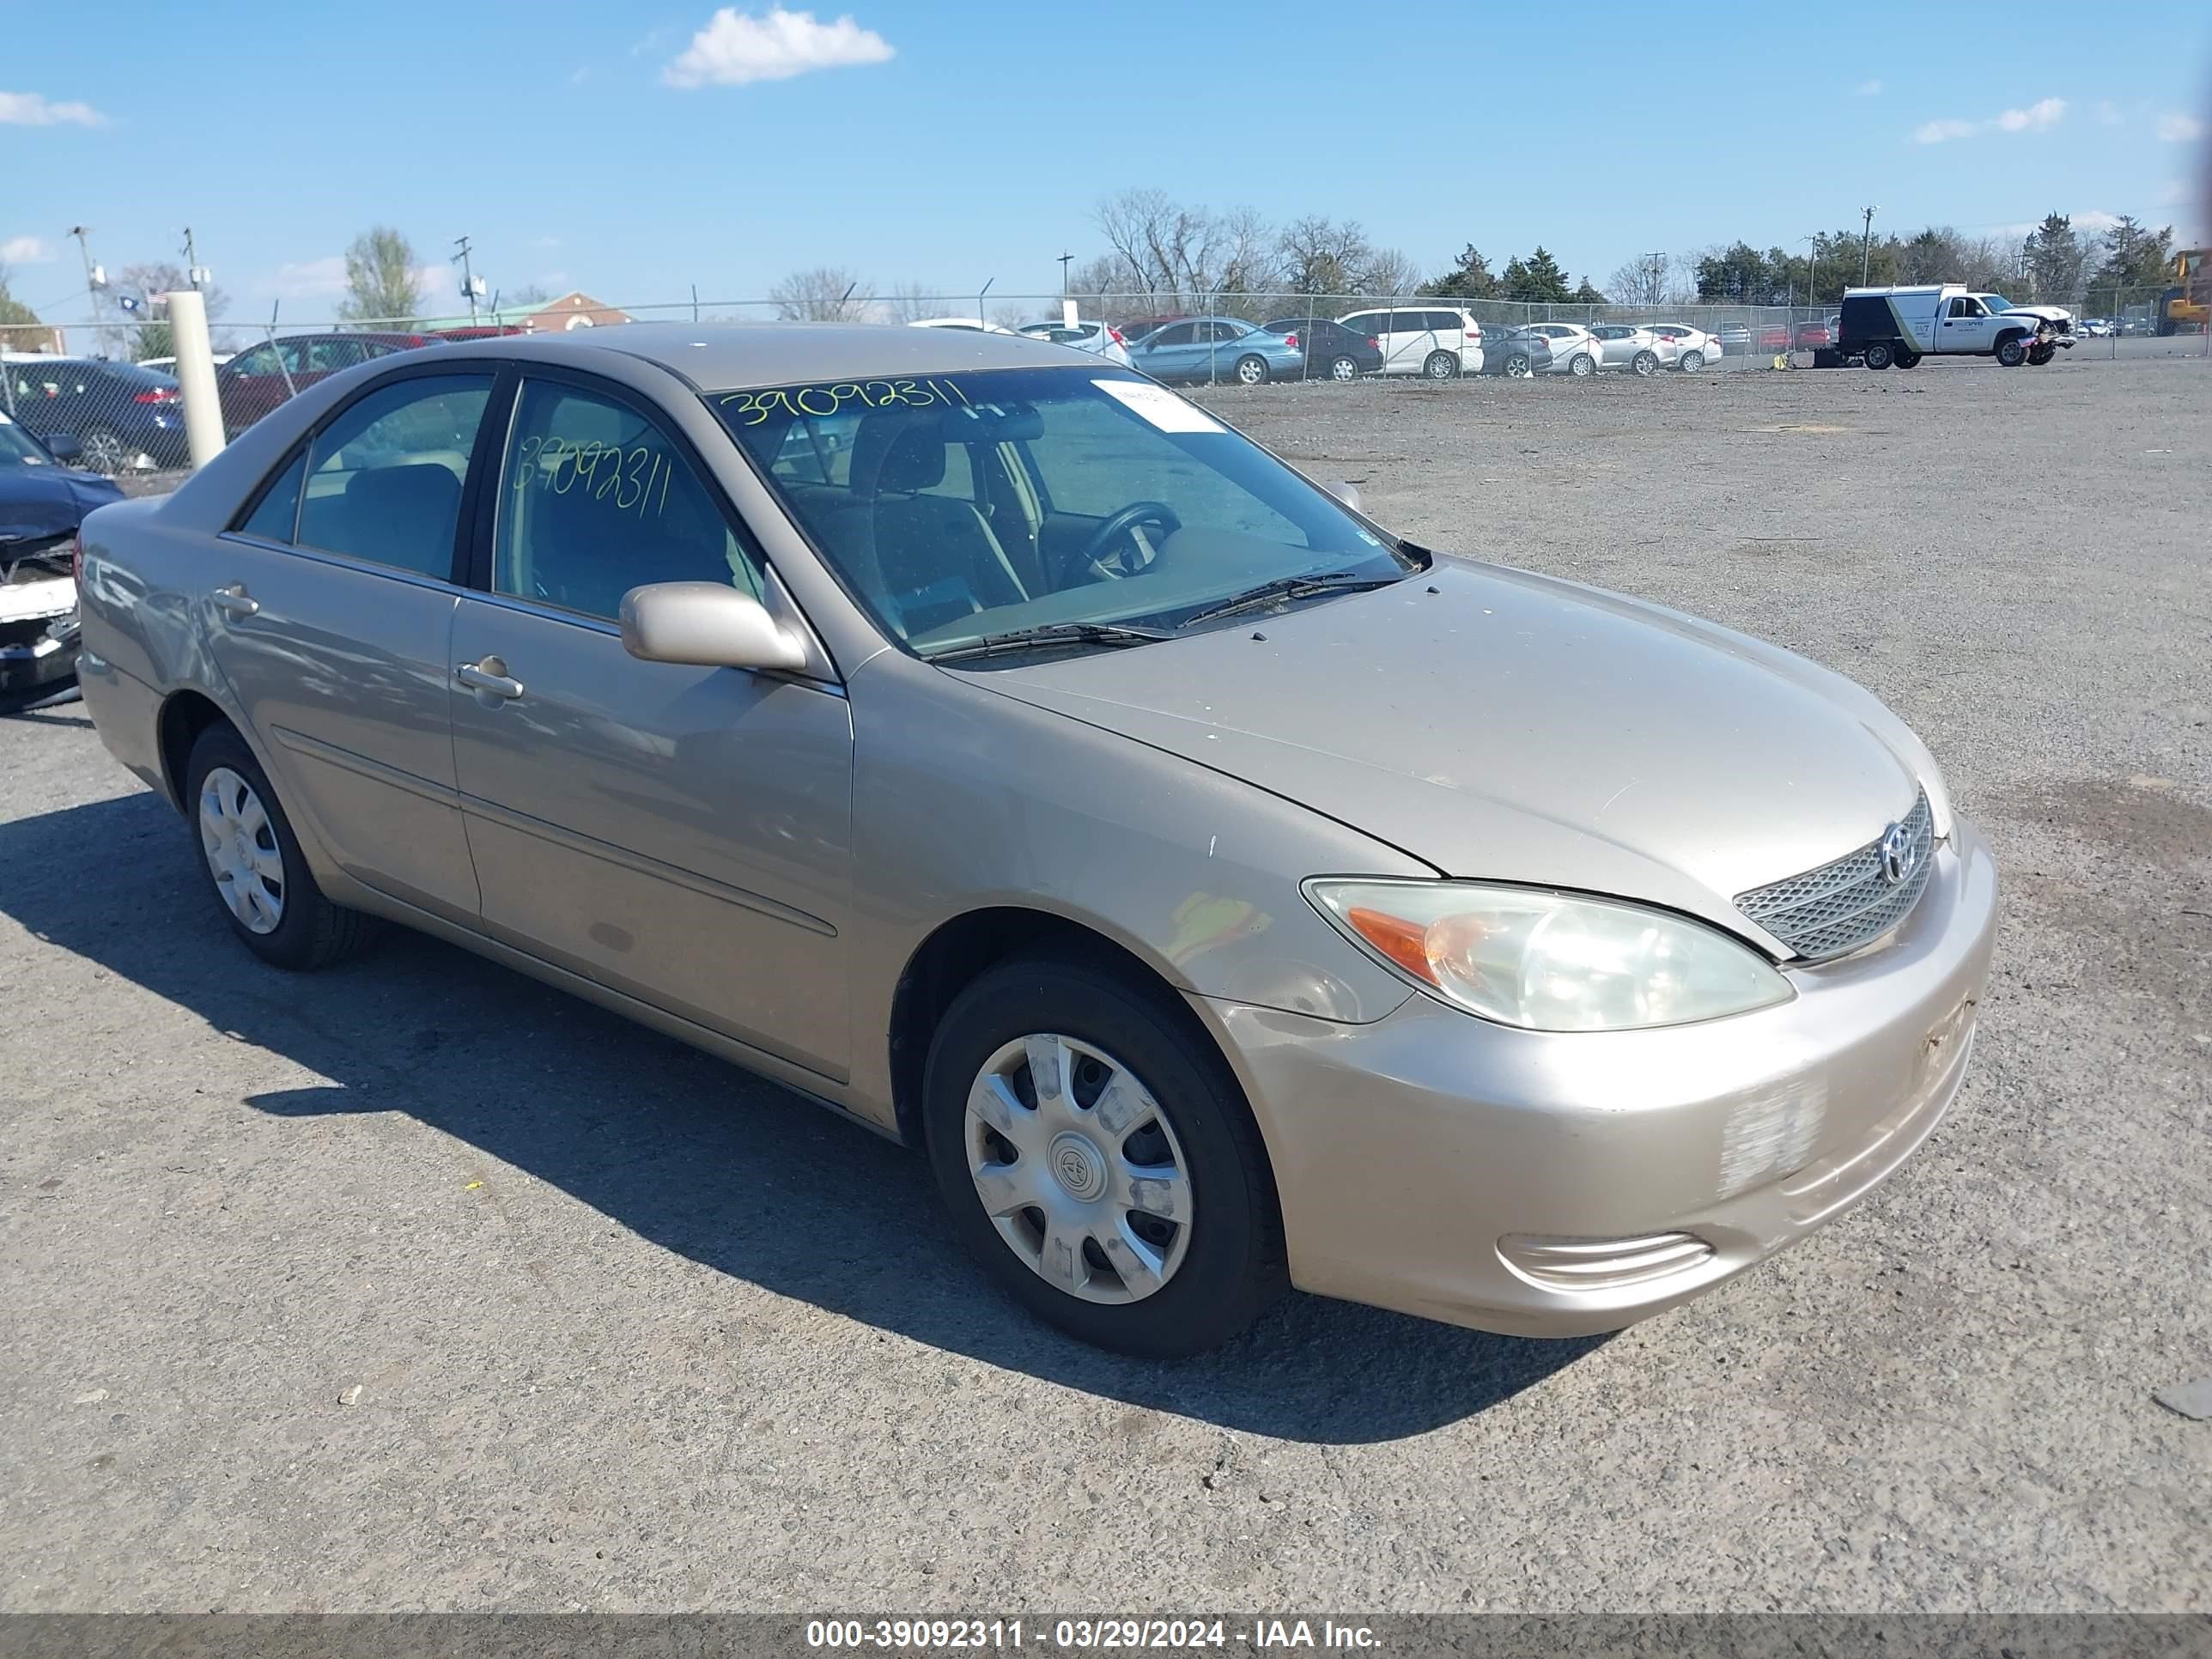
(1685, 349)
(1623, 345)
(1003, 752)
(1574, 349)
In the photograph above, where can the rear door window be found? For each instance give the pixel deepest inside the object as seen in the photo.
(597, 500)
(384, 477)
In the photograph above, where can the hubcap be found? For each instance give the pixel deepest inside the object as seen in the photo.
(1343, 369)
(242, 855)
(1249, 373)
(1077, 1167)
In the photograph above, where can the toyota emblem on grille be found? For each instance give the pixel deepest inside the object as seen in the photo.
(1899, 855)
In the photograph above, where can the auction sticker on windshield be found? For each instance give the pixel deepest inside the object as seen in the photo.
(1160, 406)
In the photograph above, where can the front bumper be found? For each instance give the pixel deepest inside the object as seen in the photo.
(1546, 1184)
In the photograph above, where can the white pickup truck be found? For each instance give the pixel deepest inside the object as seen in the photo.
(1880, 326)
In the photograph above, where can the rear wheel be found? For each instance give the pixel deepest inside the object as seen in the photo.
(1440, 365)
(1645, 363)
(1691, 362)
(1582, 365)
(1879, 355)
(103, 451)
(1099, 1160)
(1343, 369)
(1252, 371)
(2012, 351)
(1517, 366)
(253, 860)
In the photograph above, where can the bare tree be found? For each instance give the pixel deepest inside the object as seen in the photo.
(1102, 275)
(1187, 254)
(1388, 272)
(148, 283)
(825, 293)
(1646, 280)
(910, 302)
(1324, 256)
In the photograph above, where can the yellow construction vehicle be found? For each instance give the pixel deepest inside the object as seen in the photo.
(2186, 306)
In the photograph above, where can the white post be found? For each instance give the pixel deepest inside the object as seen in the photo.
(188, 337)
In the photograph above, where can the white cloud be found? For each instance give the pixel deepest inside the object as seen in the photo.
(2095, 222)
(736, 48)
(308, 279)
(1867, 89)
(2048, 112)
(27, 250)
(2179, 129)
(2035, 119)
(30, 109)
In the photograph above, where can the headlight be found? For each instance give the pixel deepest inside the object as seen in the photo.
(1550, 962)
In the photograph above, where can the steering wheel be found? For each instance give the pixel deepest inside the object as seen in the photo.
(1091, 559)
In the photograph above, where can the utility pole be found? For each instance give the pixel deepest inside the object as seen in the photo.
(1866, 244)
(95, 278)
(1064, 259)
(195, 272)
(1812, 276)
(468, 277)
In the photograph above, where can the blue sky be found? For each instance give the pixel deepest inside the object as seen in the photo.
(633, 151)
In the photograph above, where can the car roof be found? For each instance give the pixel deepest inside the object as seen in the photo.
(728, 356)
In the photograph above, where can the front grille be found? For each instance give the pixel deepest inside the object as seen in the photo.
(1839, 907)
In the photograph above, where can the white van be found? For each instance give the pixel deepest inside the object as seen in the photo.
(1441, 342)
(1884, 325)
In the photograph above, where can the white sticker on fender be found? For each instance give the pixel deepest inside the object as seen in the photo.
(1160, 406)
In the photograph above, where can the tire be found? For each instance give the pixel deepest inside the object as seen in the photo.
(1908, 358)
(1214, 1270)
(1252, 371)
(1582, 365)
(1879, 355)
(1343, 369)
(1517, 366)
(1691, 362)
(291, 925)
(1644, 364)
(2039, 354)
(2012, 351)
(103, 451)
(1441, 365)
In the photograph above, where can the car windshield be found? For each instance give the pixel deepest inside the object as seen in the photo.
(959, 508)
(17, 448)
(1996, 301)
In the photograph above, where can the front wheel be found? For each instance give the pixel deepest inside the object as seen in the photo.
(102, 451)
(1099, 1160)
(2041, 353)
(1343, 369)
(1691, 362)
(1879, 356)
(253, 860)
(2012, 351)
(1440, 365)
(1583, 366)
(1908, 358)
(1252, 371)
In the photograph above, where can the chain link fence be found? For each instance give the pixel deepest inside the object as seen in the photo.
(75, 388)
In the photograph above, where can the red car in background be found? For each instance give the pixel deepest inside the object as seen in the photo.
(1772, 337)
(1813, 335)
(261, 377)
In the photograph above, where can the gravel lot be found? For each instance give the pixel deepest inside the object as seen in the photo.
(418, 1285)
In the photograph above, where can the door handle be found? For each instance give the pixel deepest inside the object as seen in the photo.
(486, 676)
(233, 600)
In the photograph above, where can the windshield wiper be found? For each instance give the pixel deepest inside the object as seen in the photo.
(1292, 588)
(1050, 633)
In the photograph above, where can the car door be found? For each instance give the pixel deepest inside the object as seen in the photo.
(1173, 353)
(329, 623)
(1404, 341)
(1224, 342)
(680, 835)
(1966, 325)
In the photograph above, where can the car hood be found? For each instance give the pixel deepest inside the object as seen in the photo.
(40, 502)
(1499, 725)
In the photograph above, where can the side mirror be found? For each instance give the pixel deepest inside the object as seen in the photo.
(1347, 492)
(64, 447)
(707, 624)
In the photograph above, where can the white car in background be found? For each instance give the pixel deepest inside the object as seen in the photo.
(1575, 350)
(1626, 345)
(1440, 343)
(1100, 339)
(1686, 349)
